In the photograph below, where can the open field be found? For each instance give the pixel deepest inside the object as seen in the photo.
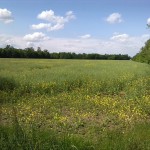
(74, 104)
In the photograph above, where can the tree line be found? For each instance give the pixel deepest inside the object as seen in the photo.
(30, 52)
(144, 54)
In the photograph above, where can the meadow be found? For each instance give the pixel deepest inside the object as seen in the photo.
(74, 104)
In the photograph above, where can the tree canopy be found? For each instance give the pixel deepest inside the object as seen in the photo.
(30, 52)
(144, 54)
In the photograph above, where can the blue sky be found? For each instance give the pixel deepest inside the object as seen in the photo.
(90, 26)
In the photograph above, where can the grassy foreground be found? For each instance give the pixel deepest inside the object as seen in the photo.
(74, 105)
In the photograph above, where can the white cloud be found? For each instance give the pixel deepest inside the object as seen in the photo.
(15, 41)
(92, 45)
(148, 21)
(56, 27)
(78, 45)
(6, 16)
(46, 15)
(145, 36)
(114, 18)
(54, 22)
(30, 44)
(41, 26)
(35, 37)
(69, 16)
(47, 26)
(51, 17)
(120, 37)
(86, 36)
(4, 40)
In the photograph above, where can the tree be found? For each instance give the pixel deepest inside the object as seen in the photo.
(30, 53)
(11, 52)
(144, 54)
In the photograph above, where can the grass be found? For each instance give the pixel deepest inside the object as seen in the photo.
(74, 104)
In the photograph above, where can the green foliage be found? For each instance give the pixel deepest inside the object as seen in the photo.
(144, 55)
(137, 138)
(7, 83)
(11, 52)
(15, 138)
(74, 104)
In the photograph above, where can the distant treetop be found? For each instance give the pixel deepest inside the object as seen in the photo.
(30, 52)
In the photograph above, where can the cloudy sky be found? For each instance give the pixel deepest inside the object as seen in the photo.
(81, 26)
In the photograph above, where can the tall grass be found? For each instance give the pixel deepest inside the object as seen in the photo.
(74, 104)
(16, 138)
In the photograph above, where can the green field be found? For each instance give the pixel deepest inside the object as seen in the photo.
(74, 105)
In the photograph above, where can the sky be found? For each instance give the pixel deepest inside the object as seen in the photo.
(80, 26)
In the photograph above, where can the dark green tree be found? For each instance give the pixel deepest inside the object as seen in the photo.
(11, 52)
(144, 54)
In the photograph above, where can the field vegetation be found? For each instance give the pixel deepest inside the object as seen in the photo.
(74, 104)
